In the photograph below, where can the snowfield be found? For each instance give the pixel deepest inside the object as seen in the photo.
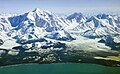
(75, 29)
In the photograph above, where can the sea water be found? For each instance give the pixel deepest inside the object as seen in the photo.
(59, 68)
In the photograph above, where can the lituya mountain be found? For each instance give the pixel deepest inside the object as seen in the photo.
(40, 36)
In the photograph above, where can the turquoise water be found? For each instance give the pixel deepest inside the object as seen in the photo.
(59, 69)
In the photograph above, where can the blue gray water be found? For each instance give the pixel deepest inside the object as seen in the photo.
(59, 69)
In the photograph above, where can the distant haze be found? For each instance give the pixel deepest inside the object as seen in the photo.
(60, 6)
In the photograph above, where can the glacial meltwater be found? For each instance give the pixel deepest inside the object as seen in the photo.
(59, 68)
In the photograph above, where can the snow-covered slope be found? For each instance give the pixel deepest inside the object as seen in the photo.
(77, 17)
(44, 24)
(60, 35)
(97, 26)
(4, 24)
(74, 20)
(38, 18)
(35, 24)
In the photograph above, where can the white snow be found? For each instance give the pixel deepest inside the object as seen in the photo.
(27, 46)
(9, 44)
(40, 23)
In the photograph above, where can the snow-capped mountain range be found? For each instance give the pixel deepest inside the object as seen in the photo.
(44, 24)
(100, 25)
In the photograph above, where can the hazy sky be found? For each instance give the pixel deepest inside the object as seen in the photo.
(60, 6)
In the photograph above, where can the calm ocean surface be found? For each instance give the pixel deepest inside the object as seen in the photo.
(59, 68)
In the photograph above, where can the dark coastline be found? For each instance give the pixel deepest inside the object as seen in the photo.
(59, 56)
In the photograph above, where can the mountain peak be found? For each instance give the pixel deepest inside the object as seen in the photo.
(78, 16)
(37, 10)
(102, 16)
